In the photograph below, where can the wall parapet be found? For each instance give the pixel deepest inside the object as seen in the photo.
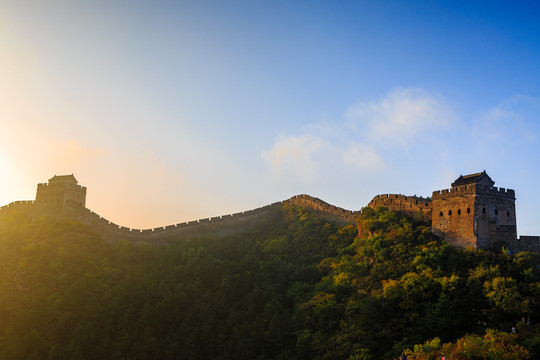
(474, 189)
(412, 205)
(17, 204)
(214, 226)
(527, 243)
(324, 209)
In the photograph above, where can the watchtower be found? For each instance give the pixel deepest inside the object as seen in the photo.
(58, 191)
(474, 213)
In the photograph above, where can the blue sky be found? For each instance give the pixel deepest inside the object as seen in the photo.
(171, 111)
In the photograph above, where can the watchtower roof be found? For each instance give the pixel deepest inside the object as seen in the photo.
(63, 178)
(481, 177)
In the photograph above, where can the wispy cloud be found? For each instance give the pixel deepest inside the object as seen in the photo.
(298, 156)
(362, 157)
(400, 116)
(514, 119)
(364, 139)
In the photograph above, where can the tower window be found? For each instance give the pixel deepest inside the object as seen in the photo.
(496, 212)
(508, 213)
(459, 211)
(449, 212)
(441, 214)
(468, 210)
(483, 210)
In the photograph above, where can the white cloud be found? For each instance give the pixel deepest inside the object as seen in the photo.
(514, 119)
(400, 116)
(367, 139)
(362, 157)
(295, 156)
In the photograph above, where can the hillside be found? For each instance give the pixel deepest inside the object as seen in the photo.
(296, 287)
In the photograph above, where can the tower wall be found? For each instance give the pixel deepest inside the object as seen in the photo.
(453, 215)
(54, 195)
(475, 215)
(496, 217)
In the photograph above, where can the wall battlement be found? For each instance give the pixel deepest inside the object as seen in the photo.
(472, 213)
(46, 185)
(412, 205)
(474, 189)
(528, 243)
(215, 226)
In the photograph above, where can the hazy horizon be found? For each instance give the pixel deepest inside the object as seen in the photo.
(169, 112)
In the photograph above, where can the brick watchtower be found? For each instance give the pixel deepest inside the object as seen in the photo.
(475, 214)
(53, 196)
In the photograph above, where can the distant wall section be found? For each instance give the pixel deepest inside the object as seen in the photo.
(324, 210)
(412, 205)
(216, 226)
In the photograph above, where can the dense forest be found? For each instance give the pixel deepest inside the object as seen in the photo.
(297, 287)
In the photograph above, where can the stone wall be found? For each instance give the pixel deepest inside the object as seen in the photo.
(325, 210)
(412, 205)
(454, 215)
(471, 215)
(51, 193)
(219, 226)
(216, 226)
(527, 243)
(475, 215)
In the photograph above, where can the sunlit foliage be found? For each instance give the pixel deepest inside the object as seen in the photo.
(296, 288)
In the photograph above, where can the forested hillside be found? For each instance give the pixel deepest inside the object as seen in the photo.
(295, 288)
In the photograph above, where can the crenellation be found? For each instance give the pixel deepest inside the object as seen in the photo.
(472, 213)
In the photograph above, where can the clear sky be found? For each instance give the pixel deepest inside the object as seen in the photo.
(169, 111)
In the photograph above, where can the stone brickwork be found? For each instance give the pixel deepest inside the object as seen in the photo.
(475, 215)
(472, 213)
(412, 205)
(53, 196)
(528, 243)
(62, 197)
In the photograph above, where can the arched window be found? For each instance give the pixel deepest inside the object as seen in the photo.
(496, 212)
(508, 213)
(468, 210)
(483, 210)
(449, 212)
(459, 211)
(441, 214)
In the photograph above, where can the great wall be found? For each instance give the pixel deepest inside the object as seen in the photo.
(52, 201)
(473, 213)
